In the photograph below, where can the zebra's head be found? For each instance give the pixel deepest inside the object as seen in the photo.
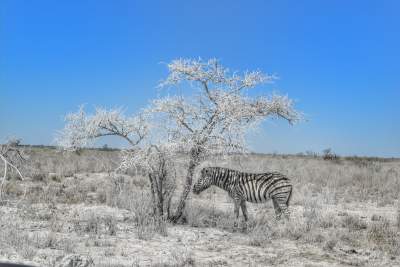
(204, 181)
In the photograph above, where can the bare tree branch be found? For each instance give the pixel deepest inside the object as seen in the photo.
(82, 130)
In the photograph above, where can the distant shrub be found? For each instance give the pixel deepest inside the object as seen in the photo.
(376, 217)
(330, 243)
(38, 176)
(328, 154)
(94, 224)
(353, 222)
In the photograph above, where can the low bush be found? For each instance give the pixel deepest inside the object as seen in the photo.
(384, 236)
(353, 222)
(95, 224)
(207, 215)
(146, 221)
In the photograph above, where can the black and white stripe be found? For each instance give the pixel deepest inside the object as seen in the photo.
(252, 187)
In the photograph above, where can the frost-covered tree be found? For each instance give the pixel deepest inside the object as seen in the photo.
(217, 117)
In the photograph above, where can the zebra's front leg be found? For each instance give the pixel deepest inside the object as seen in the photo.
(245, 214)
(236, 211)
(244, 209)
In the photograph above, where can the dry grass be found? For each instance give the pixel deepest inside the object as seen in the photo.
(318, 184)
(47, 162)
(384, 236)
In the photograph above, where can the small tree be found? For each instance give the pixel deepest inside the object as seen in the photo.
(144, 152)
(328, 154)
(156, 161)
(217, 118)
(11, 156)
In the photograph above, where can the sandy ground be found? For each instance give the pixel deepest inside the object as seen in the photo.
(57, 231)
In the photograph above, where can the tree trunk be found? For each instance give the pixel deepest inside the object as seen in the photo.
(160, 203)
(194, 162)
(153, 193)
(155, 196)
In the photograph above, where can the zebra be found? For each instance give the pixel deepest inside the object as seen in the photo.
(252, 187)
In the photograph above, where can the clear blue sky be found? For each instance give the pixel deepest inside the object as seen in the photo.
(339, 59)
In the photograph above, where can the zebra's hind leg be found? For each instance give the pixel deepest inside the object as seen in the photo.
(281, 207)
(285, 211)
(277, 208)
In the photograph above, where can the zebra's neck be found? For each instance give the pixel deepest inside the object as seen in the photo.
(224, 178)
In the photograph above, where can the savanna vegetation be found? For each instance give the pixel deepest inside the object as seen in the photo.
(71, 208)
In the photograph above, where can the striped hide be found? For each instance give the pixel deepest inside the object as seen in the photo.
(251, 187)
